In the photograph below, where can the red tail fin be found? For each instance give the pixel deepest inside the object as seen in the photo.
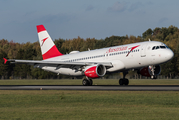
(48, 48)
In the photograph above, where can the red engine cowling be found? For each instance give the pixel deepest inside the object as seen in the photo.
(147, 71)
(95, 71)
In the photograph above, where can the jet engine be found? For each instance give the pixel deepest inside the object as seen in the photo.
(150, 71)
(95, 71)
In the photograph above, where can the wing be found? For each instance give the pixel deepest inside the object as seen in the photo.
(57, 64)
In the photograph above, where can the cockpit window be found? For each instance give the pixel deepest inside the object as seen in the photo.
(153, 48)
(163, 47)
(166, 46)
(157, 47)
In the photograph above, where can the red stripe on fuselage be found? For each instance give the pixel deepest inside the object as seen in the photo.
(53, 52)
(40, 28)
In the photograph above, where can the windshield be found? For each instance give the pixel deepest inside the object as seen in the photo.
(159, 47)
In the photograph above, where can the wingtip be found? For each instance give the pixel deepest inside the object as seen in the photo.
(5, 60)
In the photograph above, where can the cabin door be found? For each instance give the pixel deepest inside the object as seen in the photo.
(143, 50)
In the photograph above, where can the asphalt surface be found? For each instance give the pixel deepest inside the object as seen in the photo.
(95, 87)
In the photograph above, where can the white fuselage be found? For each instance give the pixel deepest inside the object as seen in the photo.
(121, 57)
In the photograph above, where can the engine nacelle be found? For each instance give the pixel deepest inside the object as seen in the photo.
(147, 71)
(95, 71)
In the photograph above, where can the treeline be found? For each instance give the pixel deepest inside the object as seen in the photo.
(31, 51)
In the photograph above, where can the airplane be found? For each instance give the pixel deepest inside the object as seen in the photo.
(145, 57)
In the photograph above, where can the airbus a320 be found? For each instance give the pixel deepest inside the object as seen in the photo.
(146, 57)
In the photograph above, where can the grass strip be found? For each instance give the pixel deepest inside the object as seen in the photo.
(80, 105)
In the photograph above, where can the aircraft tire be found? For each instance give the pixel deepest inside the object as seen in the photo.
(154, 77)
(126, 81)
(121, 82)
(90, 82)
(85, 82)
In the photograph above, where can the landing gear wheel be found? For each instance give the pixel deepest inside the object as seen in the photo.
(126, 81)
(154, 77)
(123, 81)
(85, 82)
(91, 82)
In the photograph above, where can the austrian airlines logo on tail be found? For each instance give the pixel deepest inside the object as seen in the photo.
(44, 40)
(132, 49)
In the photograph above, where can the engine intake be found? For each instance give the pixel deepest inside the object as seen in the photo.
(95, 71)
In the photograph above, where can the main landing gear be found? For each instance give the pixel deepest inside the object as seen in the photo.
(124, 81)
(87, 82)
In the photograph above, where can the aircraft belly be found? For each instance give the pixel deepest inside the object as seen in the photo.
(64, 71)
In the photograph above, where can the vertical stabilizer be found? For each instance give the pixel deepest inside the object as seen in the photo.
(48, 48)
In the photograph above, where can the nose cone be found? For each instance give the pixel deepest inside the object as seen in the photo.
(169, 54)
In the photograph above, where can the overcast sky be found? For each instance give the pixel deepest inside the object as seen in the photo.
(98, 19)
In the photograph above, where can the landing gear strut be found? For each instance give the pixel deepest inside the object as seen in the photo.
(87, 82)
(124, 81)
(153, 76)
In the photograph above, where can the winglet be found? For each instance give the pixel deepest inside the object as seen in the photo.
(5, 60)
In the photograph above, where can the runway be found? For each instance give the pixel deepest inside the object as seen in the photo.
(95, 87)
